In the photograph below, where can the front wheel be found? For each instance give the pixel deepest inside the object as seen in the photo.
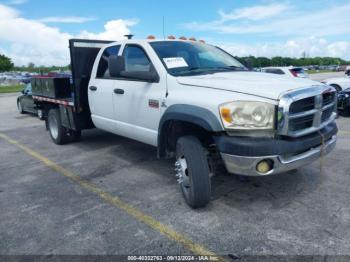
(58, 133)
(192, 170)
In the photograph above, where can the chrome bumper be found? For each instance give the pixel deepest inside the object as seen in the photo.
(243, 165)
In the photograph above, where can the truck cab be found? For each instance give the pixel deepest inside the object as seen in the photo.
(197, 104)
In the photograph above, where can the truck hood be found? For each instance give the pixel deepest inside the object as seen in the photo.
(253, 83)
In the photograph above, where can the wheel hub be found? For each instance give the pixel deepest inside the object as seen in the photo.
(181, 171)
(53, 125)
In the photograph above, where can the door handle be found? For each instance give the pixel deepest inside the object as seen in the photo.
(119, 91)
(93, 88)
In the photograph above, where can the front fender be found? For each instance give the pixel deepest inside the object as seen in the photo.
(195, 115)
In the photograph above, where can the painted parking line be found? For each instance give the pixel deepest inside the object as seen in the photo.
(117, 202)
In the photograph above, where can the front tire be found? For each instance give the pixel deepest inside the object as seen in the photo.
(193, 171)
(58, 133)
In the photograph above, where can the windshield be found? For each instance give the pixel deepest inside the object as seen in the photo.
(182, 58)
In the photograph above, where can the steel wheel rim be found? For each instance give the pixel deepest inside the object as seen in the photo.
(53, 127)
(182, 173)
(19, 106)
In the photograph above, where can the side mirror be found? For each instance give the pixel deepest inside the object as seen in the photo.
(22, 91)
(116, 64)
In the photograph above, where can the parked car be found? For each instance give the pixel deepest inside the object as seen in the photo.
(339, 83)
(344, 101)
(288, 71)
(196, 104)
(25, 102)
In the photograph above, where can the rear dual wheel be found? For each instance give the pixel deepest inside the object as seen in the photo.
(59, 134)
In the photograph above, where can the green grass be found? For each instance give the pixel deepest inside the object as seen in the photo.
(318, 71)
(11, 89)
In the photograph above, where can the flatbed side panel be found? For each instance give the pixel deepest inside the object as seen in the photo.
(63, 101)
(83, 54)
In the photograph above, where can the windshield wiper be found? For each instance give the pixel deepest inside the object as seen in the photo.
(209, 70)
(190, 70)
(232, 68)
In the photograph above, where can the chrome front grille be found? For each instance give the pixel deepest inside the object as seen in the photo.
(307, 110)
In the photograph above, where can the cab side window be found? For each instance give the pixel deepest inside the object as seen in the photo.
(136, 59)
(102, 70)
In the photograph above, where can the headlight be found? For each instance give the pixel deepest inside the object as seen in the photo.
(246, 115)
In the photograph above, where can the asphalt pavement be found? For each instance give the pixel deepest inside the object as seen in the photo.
(110, 195)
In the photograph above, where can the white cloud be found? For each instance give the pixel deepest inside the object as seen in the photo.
(33, 41)
(312, 46)
(113, 30)
(327, 22)
(256, 12)
(304, 30)
(66, 19)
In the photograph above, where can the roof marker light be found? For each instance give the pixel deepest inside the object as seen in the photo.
(183, 38)
(151, 37)
(171, 37)
(202, 41)
(192, 39)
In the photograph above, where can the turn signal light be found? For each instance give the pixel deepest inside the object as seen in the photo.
(226, 115)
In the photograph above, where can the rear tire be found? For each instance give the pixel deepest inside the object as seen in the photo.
(58, 133)
(19, 106)
(193, 171)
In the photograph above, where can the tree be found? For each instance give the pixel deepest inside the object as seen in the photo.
(31, 65)
(5, 63)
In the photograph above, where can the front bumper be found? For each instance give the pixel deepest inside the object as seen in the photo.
(285, 154)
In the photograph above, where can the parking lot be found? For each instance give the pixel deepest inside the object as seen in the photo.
(323, 76)
(111, 195)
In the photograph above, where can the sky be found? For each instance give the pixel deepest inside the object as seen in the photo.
(38, 31)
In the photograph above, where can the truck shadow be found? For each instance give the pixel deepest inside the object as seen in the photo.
(233, 190)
